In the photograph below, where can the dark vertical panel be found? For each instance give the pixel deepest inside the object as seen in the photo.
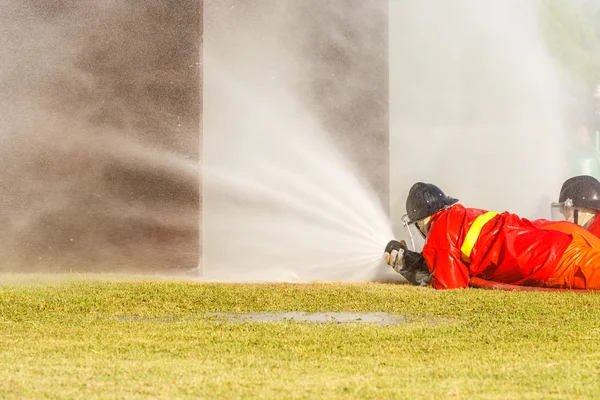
(106, 177)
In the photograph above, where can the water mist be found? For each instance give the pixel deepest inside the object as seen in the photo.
(474, 108)
(475, 105)
(101, 109)
(282, 201)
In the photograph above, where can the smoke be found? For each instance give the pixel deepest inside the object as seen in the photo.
(99, 103)
(475, 104)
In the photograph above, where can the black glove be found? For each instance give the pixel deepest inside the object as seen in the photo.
(415, 269)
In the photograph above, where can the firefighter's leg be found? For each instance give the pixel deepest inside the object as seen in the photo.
(579, 267)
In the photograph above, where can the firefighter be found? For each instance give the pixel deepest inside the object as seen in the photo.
(461, 243)
(579, 202)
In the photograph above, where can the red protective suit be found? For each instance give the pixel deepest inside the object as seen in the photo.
(579, 266)
(595, 226)
(509, 249)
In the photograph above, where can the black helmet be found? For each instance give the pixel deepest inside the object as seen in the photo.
(583, 190)
(424, 200)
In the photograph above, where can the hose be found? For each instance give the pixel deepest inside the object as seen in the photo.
(480, 283)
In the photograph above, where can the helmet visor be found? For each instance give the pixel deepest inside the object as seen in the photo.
(423, 226)
(562, 211)
(417, 242)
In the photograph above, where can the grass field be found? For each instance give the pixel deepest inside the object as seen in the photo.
(89, 337)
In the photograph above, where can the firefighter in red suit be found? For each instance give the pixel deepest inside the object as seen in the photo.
(461, 243)
(579, 202)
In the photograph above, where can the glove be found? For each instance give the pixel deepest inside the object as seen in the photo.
(415, 269)
(394, 254)
(411, 265)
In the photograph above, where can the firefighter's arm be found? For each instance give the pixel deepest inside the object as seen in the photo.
(416, 270)
(443, 257)
(447, 270)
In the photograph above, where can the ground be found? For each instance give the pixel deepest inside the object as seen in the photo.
(93, 336)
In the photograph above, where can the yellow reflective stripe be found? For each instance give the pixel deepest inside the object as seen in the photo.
(474, 232)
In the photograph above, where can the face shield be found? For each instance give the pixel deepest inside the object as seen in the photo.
(416, 236)
(423, 226)
(564, 211)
